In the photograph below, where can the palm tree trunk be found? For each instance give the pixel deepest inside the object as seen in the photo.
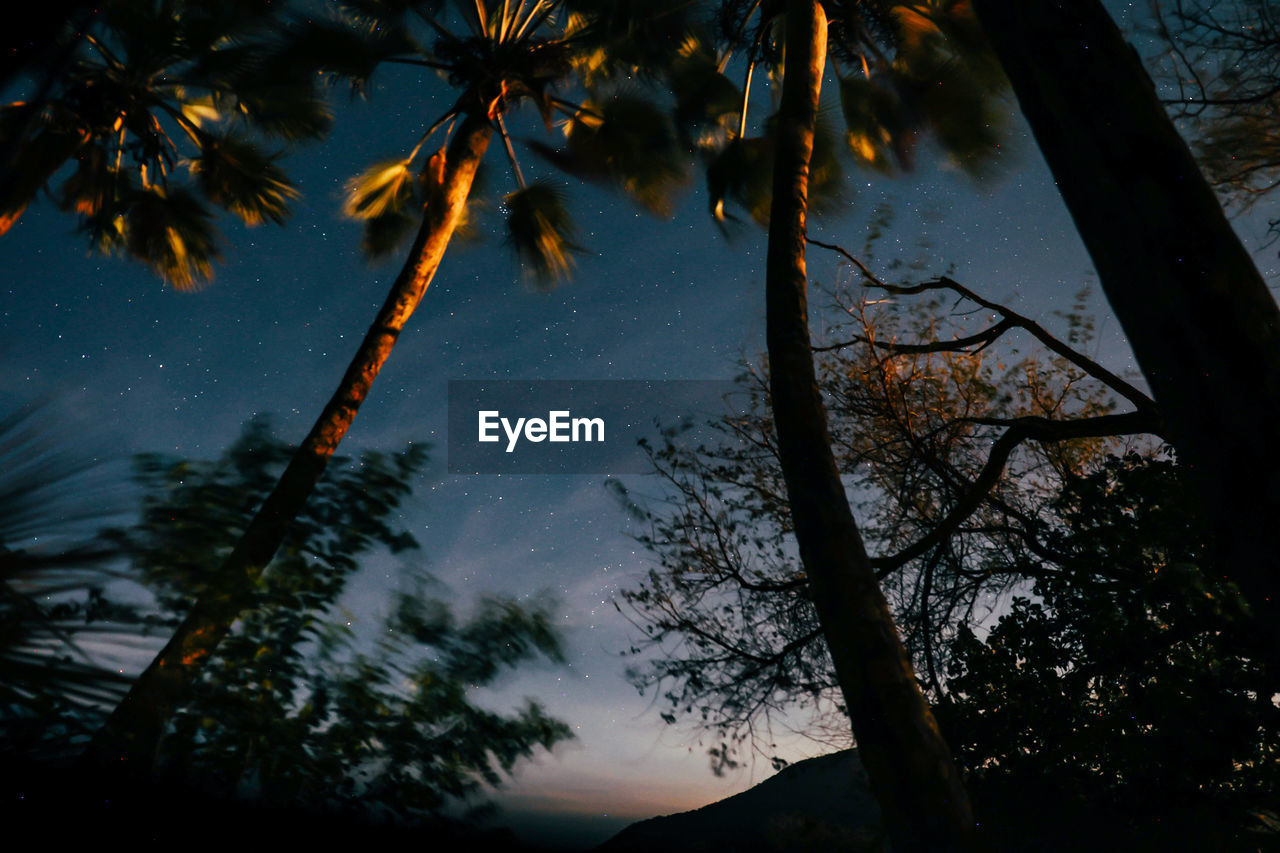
(1202, 324)
(133, 731)
(8, 220)
(922, 799)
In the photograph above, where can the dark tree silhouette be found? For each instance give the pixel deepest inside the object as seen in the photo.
(953, 444)
(1202, 323)
(1126, 700)
(908, 70)
(910, 768)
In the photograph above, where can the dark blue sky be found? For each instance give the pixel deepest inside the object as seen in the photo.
(146, 368)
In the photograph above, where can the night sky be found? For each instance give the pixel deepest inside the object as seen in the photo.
(140, 367)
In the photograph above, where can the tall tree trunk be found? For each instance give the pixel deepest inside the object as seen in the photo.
(132, 732)
(1200, 319)
(914, 778)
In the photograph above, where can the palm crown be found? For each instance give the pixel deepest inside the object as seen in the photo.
(561, 56)
(902, 69)
(162, 107)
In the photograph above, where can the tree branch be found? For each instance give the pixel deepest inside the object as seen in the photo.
(1086, 364)
(1022, 429)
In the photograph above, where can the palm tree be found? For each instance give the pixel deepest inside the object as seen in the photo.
(496, 57)
(914, 68)
(1202, 323)
(902, 71)
(160, 106)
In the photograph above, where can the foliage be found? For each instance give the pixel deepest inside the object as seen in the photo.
(625, 141)
(1224, 60)
(1120, 692)
(730, 632)
(1125, 692)
(297, 710)
(291, 714)
(541, 230)
(902, 70)
(194, 511)
(55, 619)
(161, 108)
(497, 57)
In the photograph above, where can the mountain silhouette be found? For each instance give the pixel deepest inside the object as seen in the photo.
(819, 804)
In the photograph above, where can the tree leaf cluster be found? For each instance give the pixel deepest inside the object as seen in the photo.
(1123, 695)
(297, 709)
(157, 120)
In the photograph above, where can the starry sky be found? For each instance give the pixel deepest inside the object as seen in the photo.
(141, 367)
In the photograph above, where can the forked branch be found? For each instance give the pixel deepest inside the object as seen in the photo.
(1010, 317)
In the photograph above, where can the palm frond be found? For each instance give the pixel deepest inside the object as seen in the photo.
(707, 103)
(955, 105)
(949, 78)
(390, 10)
(171, 232)
(349, 49)
(384, 188)
(965, 39)
(876, 128)
(234, 174)
(828, 189)
(284, 111)
(628, 142)
(630, 38)
(33, 161)
(95, 184)
(220, 24)
(383, 235)
(52, 567)
(265, 84)
(391, 230)
(916, 27)
(742, 172)
(199, 110)
(540, 229)
(217, 70)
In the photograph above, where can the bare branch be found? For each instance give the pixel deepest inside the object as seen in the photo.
(1020, 430)
(1086, 364)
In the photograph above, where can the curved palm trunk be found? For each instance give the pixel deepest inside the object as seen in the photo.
(133, 730)
(921, 797)
(1200, 319)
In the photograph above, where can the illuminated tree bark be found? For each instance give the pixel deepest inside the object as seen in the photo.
(133, 731)
(1202, 324)
(914, 778)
